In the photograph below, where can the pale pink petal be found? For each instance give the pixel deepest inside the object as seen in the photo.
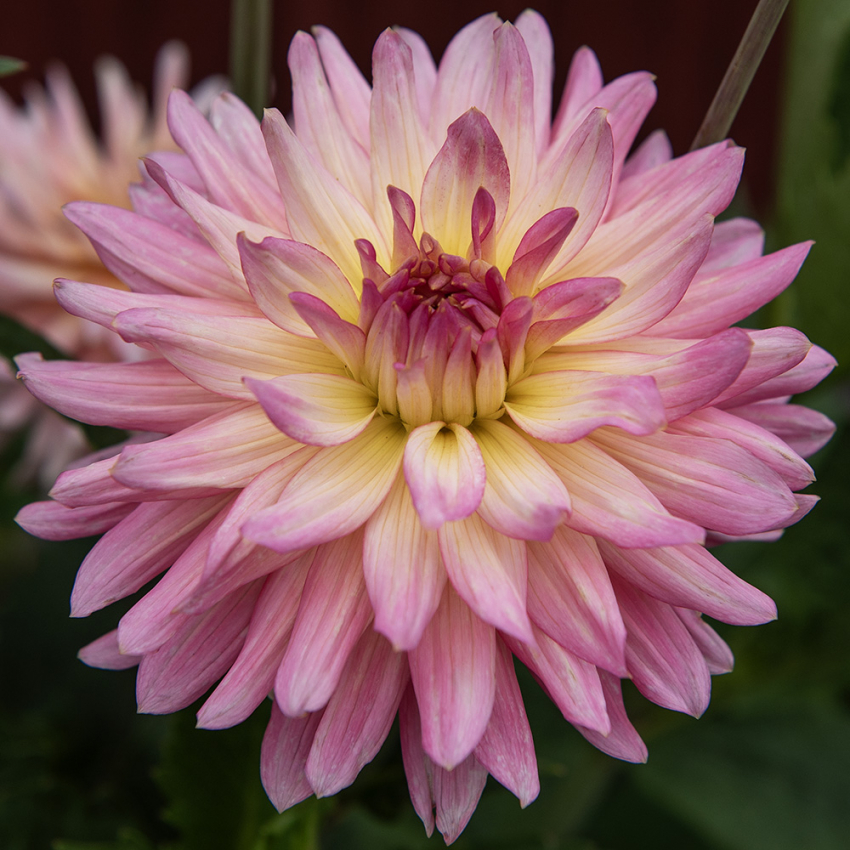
(228, 182)
(489, 572)
(688, 576)
(664, 662)
(735, 241)
(610, 502)
(333, 612)
(104, 654)
(444, 470)
(239, 129)
(418, 768)
(472, 157)
(570, 598)
(117, 566)
(319, 124)
(401, 150)
(224, 451)
(319, 410)
(251, 676)
(623, 741)
(453, 670)
(535, 33)
(334, 492)
(538, 247)
(523, 497)
(147, 396)
(320, 210)
(403, 569)
(507, 748)
(358, 717)
(571, 683)
(584, 81)
(218, 355)
(283, 757)
(200, 651)
(653, 151)
(562, 407)
(424, 69)
(718, 656)
(152, 257)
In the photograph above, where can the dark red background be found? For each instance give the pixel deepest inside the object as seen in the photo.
(686, 43)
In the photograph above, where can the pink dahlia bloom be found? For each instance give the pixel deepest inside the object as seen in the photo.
(443, 382)
(48, 157)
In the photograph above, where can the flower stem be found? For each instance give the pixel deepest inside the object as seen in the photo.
(718, 120)
(250, 51)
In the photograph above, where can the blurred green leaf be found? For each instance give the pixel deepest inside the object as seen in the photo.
(814, 174)
(771, 782)
(16, 339)
(9, 65)
(128, 839)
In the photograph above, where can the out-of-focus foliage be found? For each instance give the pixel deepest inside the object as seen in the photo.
(8, 66)
(765, 768)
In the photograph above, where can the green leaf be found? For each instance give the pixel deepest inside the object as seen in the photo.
(769, 782)
(9, 66)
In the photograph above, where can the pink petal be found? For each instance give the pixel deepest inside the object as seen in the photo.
(223, 451)
(689, 577)
(714, 649)
(54, 521)
(239, 129)
(570, 598)
(333, 613)
(489, 572)
(320, 210)
(664, 662)
(152, 257)
(118, 566)
(283, 757)
(623, 741)
(277, 267)
(424, 69)
(802, 429)
(523, 497)
(535, 33)
(611, 502)
(334, 492)
(444, 470)
(735, 241)
(454, 676)
(584, 81)
(653, 151)
(507, 748)
(185, 666)
(319, 410)
(403, 569)
(708, 481)
(251, 676)
(358, 717)
(563, 407)
(572, 684)
(218, 354)
(150, 395)
(104, 654)
(472, 157)
(538, 247)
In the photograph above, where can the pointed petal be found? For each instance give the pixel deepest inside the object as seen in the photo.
(570, 598)
(535, 33)
(507, 748)
(489, 572)
(802, 429)
(333, 613)
(403, 569)
(623, 741)
(104, 654)
(718, 656)
(54, 521)
(358, 717)
(453, 670)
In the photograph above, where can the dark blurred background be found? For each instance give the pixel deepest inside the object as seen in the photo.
(767, 768)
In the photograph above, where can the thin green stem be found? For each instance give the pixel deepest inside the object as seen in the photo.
(718, 120)
(250, 51)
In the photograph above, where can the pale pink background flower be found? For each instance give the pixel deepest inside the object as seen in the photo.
(496, 409)
(49, 156)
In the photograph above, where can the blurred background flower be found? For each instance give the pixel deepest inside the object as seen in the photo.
(770, 753)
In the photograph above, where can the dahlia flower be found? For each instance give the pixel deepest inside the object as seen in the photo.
(442, 383)
(48, 157)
